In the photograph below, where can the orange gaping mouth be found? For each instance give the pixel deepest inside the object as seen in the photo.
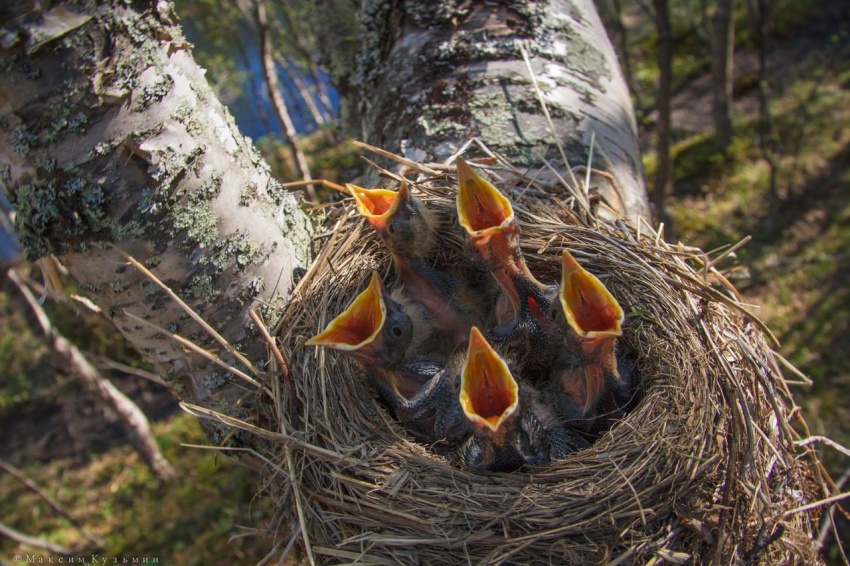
(488, 391)
(591, 310)
(377, 205)
(359, 324)
(480, 205)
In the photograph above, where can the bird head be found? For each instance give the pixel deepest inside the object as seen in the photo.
(590, 309)
(405, 227)
(481, 209)
(489, 394)
(376, 205)
(368, 330)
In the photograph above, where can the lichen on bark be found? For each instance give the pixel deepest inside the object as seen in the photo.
(113, 137)
(438, 73)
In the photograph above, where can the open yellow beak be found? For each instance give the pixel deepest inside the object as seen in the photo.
(489, 394)
(480, 205)
(591, 310)
(359, 324)
(378, 205)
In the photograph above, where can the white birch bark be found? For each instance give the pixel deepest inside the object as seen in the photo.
(432, 74)
(110, 135)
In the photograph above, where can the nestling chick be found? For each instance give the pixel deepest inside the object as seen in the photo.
(373, 330)
(406, 227)
(377, 333)
(511, 426)
(525, 331)
(587, 373)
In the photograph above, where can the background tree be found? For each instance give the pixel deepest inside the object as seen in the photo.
(274, 90)
(722, 57)
(663, 102)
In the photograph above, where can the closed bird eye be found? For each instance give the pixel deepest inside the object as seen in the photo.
(396, 331)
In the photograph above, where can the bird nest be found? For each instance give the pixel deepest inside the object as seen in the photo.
(705, 467)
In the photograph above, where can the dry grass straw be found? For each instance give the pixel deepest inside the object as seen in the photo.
(707, 468)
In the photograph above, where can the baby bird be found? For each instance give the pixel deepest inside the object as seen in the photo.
(408, 229)
(525, 330)
(373, 330)
(511, 426)
(377, 333)
(587, 375)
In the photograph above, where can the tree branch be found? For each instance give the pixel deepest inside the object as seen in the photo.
(135, 422)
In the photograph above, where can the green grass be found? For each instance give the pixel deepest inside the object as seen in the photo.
(115, 497)
(798, 260)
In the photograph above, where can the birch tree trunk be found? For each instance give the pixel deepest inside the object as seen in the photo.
(110, 135)
(432, 74)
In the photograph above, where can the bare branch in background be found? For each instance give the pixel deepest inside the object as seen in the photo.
(134, 420)
(294, 34)
(722, 49)
(761, 14)
(307, 96)
(33, 542)
(279, 104)
(664, 172)
(55, 505)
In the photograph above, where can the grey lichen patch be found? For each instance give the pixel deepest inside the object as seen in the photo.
(191, 119)
(531, 105)
(202, 287)
(153, 93)
(120, 229)
(170, 165)
(431, 13)
(236, 250)
(248, 194)
(22, 139)
(194, 214)
(46, 163)
(5, 173)
(78, 123)
(125, 75)
(199, 222)
(214, 380)
(101, 148)
(297, 228)
(153, 261)
(150, 290)
(560, 42)
(57, 213)
(247, 253)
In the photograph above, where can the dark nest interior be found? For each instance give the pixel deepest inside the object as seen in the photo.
(705, 468)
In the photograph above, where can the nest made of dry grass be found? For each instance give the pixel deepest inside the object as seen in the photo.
(705, 468)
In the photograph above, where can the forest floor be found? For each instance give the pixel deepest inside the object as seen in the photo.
(795, 271)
